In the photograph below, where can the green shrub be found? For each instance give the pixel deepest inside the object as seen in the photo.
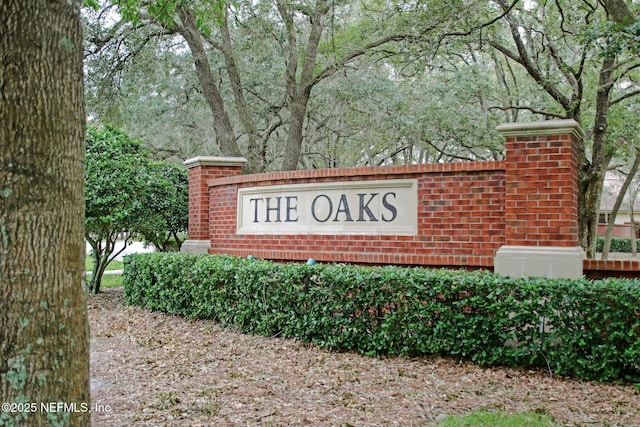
(591, 329)
(618, 244)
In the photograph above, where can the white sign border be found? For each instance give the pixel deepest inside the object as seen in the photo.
(378, 228)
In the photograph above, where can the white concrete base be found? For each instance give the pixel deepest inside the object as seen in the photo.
(195, 246)
(540, 261)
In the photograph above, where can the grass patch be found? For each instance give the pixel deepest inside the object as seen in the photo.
(111, 281)
(108, 280)
(498, 419)
(113, 265)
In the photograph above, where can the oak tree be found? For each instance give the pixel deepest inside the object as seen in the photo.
(44, 334)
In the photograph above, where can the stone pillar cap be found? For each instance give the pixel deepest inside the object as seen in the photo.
(214, 161)
(542, 128)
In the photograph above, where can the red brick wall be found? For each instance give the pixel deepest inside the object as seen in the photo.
(599, 269)
(460, 218)
(466, 210)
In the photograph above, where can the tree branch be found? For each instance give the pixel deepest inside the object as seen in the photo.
(329, 71)
(625, 96)
(532, 110)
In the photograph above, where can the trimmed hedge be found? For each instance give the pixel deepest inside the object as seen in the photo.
(591, 329)
(618, 244)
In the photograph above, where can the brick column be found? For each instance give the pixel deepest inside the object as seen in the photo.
(541, 200)
(201, 170)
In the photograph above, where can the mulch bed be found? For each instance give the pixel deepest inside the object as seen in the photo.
(153, 369)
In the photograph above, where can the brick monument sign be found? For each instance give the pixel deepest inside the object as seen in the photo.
(518, 216)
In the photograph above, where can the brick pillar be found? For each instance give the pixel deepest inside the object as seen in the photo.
(201, 170)
(541, 200)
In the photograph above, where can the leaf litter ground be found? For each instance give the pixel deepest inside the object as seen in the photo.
(153, 369)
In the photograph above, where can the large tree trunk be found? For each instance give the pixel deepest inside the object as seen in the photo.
(44, 335)
(634, 228)
(253, 154)
(590, 192)
(221, 121)
(593, 172)
(299, 93)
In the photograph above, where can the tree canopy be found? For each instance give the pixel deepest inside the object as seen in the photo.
(326, 84)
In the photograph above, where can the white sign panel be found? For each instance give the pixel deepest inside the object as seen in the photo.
(352, 207)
